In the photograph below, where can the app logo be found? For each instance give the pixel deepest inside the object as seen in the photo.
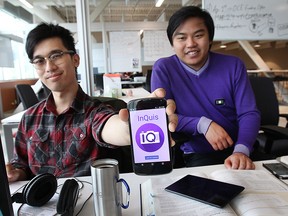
(149, 137)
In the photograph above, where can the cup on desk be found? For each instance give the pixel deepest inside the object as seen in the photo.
(107, 188)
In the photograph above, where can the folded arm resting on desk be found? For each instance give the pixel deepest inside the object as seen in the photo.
(205, 131)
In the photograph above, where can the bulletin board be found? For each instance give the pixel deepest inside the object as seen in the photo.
(125, 51)
(156, 45)
(249, 19)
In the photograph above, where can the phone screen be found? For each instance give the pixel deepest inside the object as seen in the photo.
(149, 135)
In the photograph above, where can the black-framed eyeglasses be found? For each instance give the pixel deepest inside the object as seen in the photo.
(55, 57)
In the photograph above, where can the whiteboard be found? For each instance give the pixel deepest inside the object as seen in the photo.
(125, 51)
(156, 45)
(249, 19)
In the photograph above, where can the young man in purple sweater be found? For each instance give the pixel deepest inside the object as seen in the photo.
(215, 102)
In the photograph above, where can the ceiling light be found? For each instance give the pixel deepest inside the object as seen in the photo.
(26, 3)
(159, 3)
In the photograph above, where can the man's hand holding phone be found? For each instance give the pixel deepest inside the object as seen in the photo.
(170, 111)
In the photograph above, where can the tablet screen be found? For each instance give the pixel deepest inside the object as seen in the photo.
(205, 190)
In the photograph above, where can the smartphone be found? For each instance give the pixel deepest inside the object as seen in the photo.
(151, 149)
(277, 169)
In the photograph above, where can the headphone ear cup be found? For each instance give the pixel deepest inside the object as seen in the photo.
(68, 197)
(40, 189)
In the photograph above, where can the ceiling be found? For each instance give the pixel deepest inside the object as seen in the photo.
(120, 11)
(110, 10)
(126, 11)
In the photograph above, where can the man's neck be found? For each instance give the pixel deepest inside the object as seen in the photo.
(63, 100)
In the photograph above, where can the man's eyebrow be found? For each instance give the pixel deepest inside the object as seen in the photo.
(181, 33)
(53, 51)
(178, 33)
(37, 56)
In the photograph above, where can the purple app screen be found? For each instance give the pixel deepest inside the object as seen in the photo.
(149, 135)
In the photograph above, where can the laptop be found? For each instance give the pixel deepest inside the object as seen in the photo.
(6, 208)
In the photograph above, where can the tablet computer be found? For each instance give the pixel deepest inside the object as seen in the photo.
(205, 190)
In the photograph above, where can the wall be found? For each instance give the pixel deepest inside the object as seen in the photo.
(275, 58)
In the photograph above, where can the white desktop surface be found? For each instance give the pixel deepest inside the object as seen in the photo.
(136, 93)
(132, 82)
(134, 182)
(13, 118)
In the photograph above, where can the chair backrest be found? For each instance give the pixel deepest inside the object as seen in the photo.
(99, 83)
(47, 91)
(147, 85)
(266, 99)
(26, 95)
(43, 93)
(116, 103)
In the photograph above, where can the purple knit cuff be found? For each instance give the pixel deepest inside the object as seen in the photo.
(203, 125)
(241, 149)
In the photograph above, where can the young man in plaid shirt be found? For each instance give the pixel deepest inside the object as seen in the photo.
(60, 135)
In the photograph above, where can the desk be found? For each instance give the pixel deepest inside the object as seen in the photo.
(11, 122)
(136, 93)
(8, 124)
(134, 182)
(132, 83)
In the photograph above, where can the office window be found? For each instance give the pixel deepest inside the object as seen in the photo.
(14, 63)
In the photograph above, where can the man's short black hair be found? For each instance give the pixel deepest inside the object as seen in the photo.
(48, 30)
(185, 13)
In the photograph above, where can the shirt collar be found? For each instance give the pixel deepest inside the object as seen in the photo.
(197, 73)
(77, 104)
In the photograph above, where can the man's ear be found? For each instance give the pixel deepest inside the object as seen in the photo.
(76, 60)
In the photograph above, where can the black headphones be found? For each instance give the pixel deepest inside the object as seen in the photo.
(42, 188)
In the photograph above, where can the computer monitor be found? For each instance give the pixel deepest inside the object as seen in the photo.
(5, 197)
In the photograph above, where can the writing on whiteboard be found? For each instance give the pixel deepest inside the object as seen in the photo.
(246, 19)
(156, 45)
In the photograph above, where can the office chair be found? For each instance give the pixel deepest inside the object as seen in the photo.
(272, 139)
(43, 93)
(147, 85)
(26, 95)
(98, 81)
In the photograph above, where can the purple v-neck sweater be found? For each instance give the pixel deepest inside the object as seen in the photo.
(221, 92)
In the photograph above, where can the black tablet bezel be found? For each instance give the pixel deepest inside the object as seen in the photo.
(205, 190)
